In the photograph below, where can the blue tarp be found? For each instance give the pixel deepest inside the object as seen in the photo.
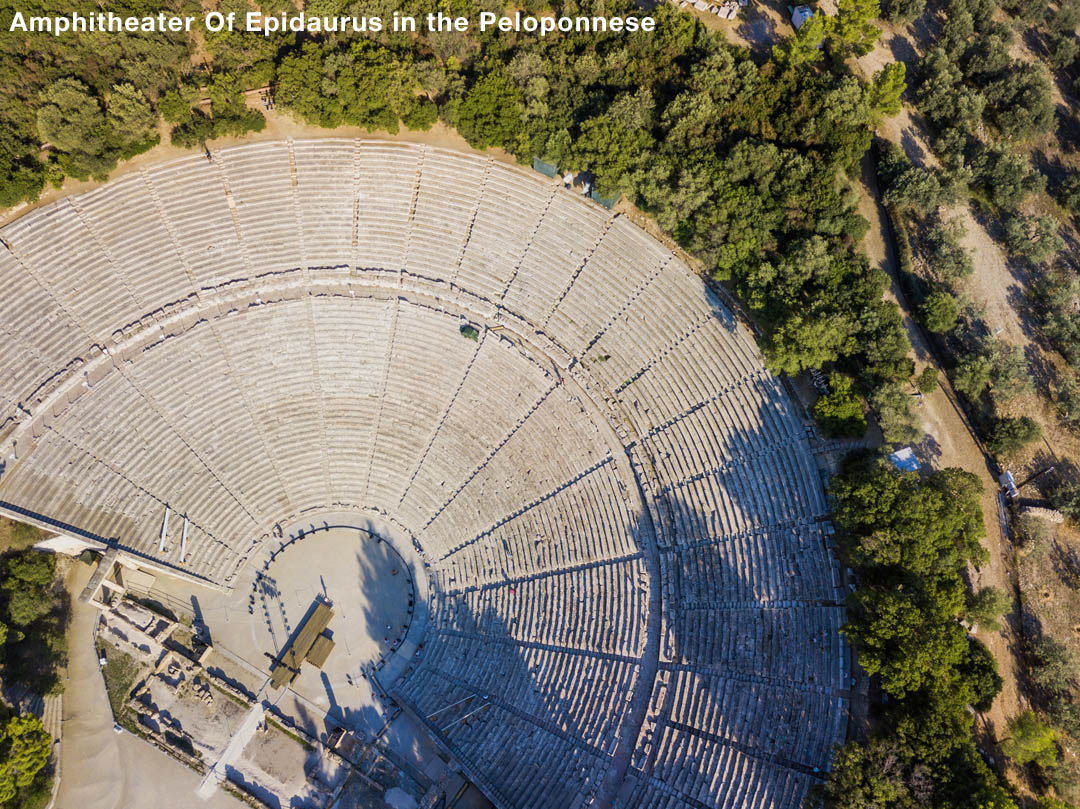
(905, 460)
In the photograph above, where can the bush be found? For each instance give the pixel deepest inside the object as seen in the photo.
(1032, 531)
(948, 260)
(1068, 399)
(1034, 238)
(120, 672)
(927, 381)
(892, 406)
(1066, 499)
(18, 535)
(1010, 435)
(901, 11)
(986, 607)
(421, 115)
(840, 412)
(470, 333)
(979, 671)
(939, 311)
(1030, 741)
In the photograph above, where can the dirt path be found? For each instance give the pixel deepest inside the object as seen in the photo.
(950, 443)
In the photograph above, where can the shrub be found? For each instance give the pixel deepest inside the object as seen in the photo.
(947, 257)
(840, 412)
(986, 607)
(1068, 399)
(927, 380)
(1030, 741)
(892, 406)
(1066, 499)
(1010, 435)
(939, 311)
(470, 333)
(1034, 238)
(979, 671)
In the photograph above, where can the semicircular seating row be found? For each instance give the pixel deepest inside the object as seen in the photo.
(276, 331)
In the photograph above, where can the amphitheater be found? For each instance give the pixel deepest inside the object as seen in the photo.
(617, 508)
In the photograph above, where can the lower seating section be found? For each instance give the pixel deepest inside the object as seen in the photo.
(631, 591)
(535, 766)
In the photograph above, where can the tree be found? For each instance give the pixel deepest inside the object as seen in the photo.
(26, 748)
(986, 607)
(802, 342)
(886, 89)
(1066, 499)
(1010, 435)
(1057, 296)
(876, 774)
(177, 105)
(840, 412)
(1009, 374)
(924, 529)
(853, 30)
(1007, 177)
(1020, 102)
(995, 364)
(1047, 802)
(1054, 666)
(805, 47)
(130, 114)
(490, 113)
(939, 312)
(906, 186)
(892, 406)
(73, 121)
(902, 638)
(421, 115)
(29, 568)
(927, 381)
(979, 672)
(902, 11)
(1034, 238)
(1068, 399)
(609, 150)
(27, 575)
(1030, 741)
(947, 258)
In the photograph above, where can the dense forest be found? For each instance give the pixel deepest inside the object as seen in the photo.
(743, 162)
(909, 539)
